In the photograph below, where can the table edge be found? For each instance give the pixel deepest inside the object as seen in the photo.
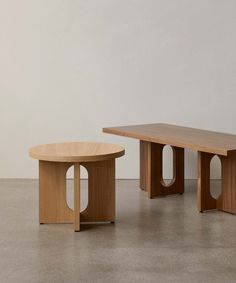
(75, 159)
(212, 150)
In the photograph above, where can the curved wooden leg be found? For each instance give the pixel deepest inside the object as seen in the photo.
(204, 199)
(53, 207)
(151, 178)
(101, 190)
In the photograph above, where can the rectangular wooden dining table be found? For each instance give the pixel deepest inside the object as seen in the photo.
(153, 138)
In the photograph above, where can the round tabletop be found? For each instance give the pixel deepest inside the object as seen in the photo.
(76, 151)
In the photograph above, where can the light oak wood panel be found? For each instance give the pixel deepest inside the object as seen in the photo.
(151, 177)
(53, 207)
(196, 139)
(101, 188)
(77, 197)
(76, 151)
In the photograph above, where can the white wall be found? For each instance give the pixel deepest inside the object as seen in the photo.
(69, 68)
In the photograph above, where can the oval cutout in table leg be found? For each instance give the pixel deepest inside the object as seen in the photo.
(84, 188)
(215, 177)
(70, 188)
(167, 165)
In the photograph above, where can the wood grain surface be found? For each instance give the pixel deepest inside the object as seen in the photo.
(76, 151)
(195, 139)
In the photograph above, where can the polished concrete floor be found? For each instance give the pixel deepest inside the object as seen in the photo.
(158, 240)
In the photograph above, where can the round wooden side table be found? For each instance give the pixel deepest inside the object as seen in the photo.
(55, 160)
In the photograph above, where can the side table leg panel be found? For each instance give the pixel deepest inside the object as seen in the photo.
(155, 171)
(53, 207)
(227, 200)
(151, 178)
(178, 167)
(144, 169)
(204, 199)
(101, 190)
